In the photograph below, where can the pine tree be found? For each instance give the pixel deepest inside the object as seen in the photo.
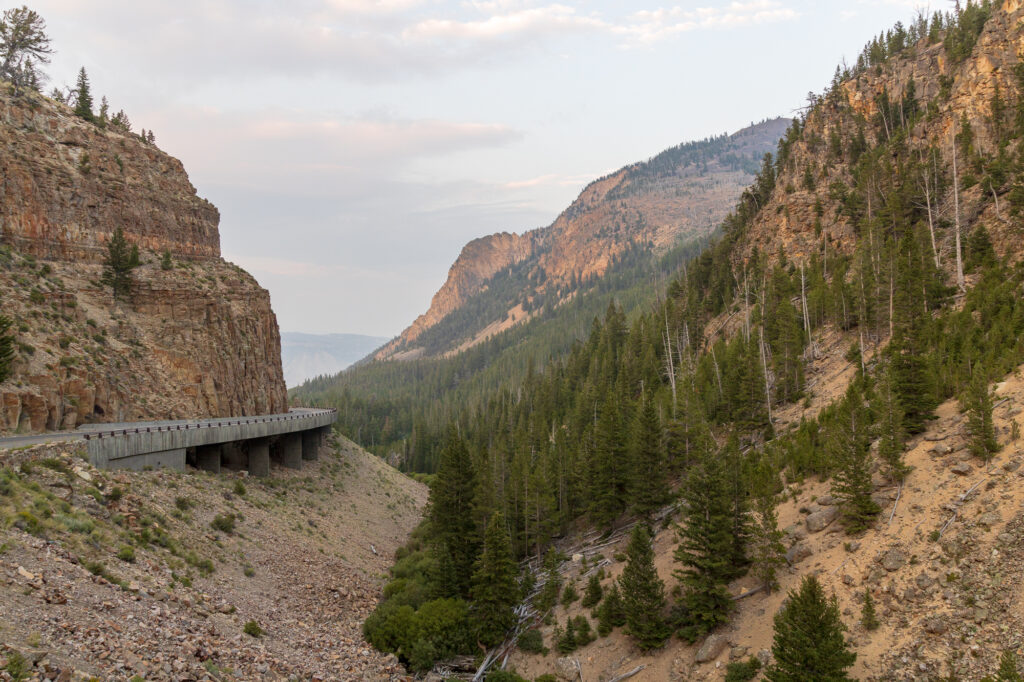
(83, 97)
(548, 596)
(649, 484)
(767, 552)
(868, 617)
(609, 470)
(451, 513)
(121, 260)
(643, 593)
(978, 405)
(611, 613)
(6, 347)
(809, 643)
(1008, 669)
(104, 117)
(890, 425)
(705, 547)
(848, 445)
(592, 597)
(495, 589)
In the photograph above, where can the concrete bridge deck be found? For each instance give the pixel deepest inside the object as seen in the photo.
(236, 442)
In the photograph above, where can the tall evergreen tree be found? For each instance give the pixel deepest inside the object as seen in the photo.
(978, 405)
(611, 613)
(609, 467)
(495, 588)
(705, 547)
(649, 480)
(643, 593)
(122, 258)
(767, 553)
(23, 45)
(6, 347)
(889, 414)
(809, 643)
(849, 446)
(451, 510)
(83, 97)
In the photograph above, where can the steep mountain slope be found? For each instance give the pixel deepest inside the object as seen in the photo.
(109, 575)
(197, 337)
(678, 195)
(945, 603)
(305, 356)
(830, 356)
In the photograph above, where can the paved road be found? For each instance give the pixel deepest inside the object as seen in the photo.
(78, 434)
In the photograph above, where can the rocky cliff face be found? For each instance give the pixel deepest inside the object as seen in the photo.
(682, 193)
(197, 339)
(479, 260)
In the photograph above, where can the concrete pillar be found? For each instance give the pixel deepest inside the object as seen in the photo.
(259, 457)
(310, 445)
(233, 456)
(208, 458)
(291, 450)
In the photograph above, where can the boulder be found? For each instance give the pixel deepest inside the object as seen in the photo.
(712, 647)
(894, 559)
(820, 520)
(961, 469)
(738, 652)
(924, 581)
(765, 656)
(565, 669)
(827, 501)
(798, 553)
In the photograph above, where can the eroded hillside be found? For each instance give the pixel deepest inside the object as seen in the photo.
(196, 337)
(106, 575)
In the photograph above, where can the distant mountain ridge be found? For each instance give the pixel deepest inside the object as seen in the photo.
(306, 356)
(499, 280)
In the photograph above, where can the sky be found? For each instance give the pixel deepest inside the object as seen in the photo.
(354, 146)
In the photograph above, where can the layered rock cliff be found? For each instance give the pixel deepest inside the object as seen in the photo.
(679, 194)
(196, 338)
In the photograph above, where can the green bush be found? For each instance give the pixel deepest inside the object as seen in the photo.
(126, 553)
(239, 489)
(742, 671)
(439, 629)
(225, 523)
(532, 642)
(252, 628)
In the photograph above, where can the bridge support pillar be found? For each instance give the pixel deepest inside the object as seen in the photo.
(325, 432)
(208, 458)
(259, 457)
(310, 445)
(291, 450)
(233, 456)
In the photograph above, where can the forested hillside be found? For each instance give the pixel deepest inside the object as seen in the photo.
(887, 219)
(622, 240)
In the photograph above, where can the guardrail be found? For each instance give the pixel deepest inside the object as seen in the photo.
(208, 425)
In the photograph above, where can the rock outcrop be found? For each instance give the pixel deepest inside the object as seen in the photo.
(196, 338)
(679, 194)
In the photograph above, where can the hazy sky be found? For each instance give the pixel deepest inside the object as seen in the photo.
(354, 146)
